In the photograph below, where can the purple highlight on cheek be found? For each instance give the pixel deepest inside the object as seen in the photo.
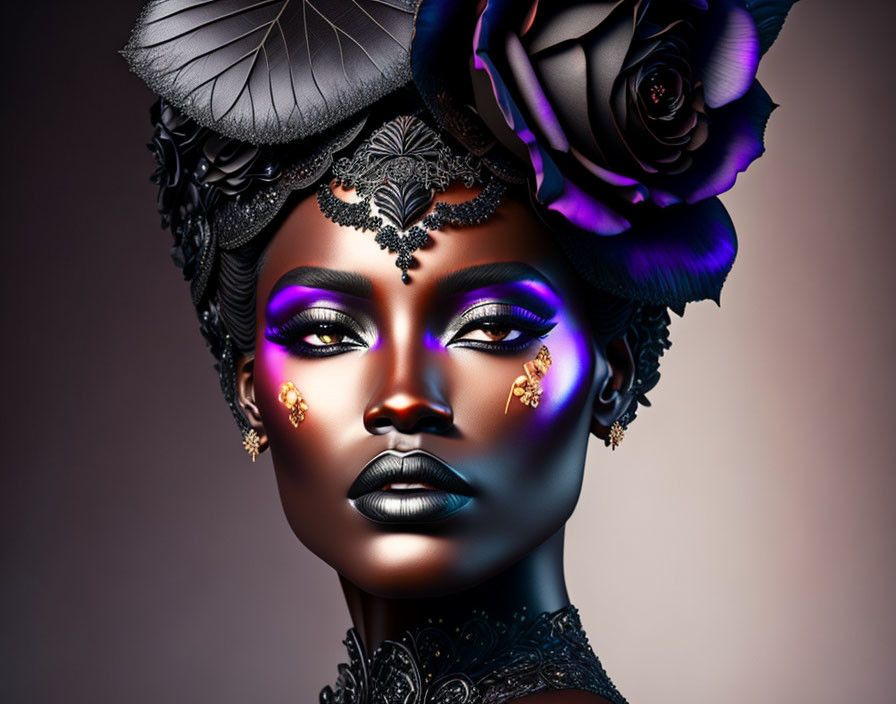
(274, 357)
(567, 344)
(566, 376)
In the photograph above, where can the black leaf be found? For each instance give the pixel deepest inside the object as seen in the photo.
(272, 71)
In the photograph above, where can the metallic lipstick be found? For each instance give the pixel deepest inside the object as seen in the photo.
(411, 487)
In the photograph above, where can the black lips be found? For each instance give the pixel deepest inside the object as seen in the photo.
(369, 497)
(413, 468)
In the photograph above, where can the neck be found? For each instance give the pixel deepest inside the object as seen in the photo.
(535, 583)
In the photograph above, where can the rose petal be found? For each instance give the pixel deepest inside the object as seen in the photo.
(663, 198)
(730, 67)
(640, 51)
(587, 213)
(603, 174)
(735, 141)
(568, 23)
(493, 101)
(533, 95)
(678, 255)
(563, 73)
(552, 188)
(700, 134)
(606, 51)
(529, 18)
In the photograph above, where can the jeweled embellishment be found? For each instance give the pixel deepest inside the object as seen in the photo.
(616, 435)
(251, 443)
(293, 399)
(400, 168)
(527, 387)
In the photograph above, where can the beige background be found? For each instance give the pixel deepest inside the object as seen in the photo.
(737, 548)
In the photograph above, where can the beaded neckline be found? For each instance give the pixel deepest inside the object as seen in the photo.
(481, 662)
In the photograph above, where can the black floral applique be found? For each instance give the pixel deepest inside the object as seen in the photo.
(479, 663)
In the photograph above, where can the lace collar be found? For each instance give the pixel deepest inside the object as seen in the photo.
(478, 663)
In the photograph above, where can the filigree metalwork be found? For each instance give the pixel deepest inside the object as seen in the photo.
(527, 387)
(616, 435)
(292, 398)
(400, 168)
(251, 443)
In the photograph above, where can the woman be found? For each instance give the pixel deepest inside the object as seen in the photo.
(545, 180)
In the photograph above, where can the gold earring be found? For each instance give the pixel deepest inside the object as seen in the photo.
(251, 442)
(294, 401)
(617, 434)
(527, 387)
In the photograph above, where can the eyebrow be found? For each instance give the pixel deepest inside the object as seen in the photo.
(347, 282)
(485, 275)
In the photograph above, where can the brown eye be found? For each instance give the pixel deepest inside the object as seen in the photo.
(325, 335)
(496, 333)
(491, 333)
(500, 328)
(320, 332)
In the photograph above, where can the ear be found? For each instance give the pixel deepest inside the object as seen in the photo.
(614, 394)
(245, 395)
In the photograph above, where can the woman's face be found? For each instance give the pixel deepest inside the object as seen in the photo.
(417, 376)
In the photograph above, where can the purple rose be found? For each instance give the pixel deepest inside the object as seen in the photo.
(619, 105)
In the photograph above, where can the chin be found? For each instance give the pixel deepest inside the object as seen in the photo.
(408, 565)
(404, 565)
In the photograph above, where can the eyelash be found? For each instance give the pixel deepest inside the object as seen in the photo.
(316, 321)
(509, 317)
(320, 321)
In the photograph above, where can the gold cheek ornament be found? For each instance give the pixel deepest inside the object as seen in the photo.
(292, 398)
(527, 387)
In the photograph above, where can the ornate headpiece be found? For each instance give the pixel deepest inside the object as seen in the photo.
(400, 168)
(625, 117)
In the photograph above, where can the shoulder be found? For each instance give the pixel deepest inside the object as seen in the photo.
(562, 696)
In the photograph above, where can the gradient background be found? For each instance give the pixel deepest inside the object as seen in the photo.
(737, 548)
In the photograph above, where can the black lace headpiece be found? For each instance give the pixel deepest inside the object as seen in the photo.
(401, 168)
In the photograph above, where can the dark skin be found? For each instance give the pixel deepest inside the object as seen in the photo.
(389, 366)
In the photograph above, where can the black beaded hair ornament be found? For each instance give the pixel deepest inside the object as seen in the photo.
(401, 167)
(622, 120)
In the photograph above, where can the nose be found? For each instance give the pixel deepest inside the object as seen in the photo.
(409, 402)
